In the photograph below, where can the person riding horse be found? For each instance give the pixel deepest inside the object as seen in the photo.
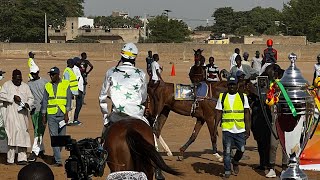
(127, 87)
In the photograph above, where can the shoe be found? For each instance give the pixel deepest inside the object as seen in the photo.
(41, 155)
(22, 163)
(218, 157)
(77, 122)
(32, 157)
(271, 174)
(235, 169)
(9, 164)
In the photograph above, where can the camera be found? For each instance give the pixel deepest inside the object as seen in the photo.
(87, 157)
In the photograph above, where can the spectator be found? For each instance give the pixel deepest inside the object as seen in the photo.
(233, 57)
(16, 97)
(245, 59)
(84, 63)
(36, 171)
(257, 62)
(212, 71)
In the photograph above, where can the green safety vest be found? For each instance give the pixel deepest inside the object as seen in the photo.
(235, 116)
(73, 79)
(59, 99)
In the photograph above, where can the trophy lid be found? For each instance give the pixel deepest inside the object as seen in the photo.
(292, 77)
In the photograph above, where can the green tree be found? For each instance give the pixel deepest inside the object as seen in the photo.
(301, 17)
(163, 30)
(224, 19)
(263, 20)
(23, 20)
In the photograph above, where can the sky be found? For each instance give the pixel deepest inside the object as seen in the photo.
(193, 12)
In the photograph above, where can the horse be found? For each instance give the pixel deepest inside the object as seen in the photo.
(205, 112)
(197, 71)
(130, 146)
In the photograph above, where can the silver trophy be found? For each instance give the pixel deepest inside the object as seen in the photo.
(294, 126)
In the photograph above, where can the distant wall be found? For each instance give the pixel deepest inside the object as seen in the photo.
(168, 52)
(290, 40)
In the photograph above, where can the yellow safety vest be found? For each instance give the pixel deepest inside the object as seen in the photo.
(232, 117)
(29, 62)
(73, 79)
(59, 99)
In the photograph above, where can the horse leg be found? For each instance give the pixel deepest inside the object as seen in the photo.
(160, 121)
(193, 137)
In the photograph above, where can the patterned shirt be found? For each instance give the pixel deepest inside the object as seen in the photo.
(127, 86)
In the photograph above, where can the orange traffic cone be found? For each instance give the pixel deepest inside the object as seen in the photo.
(173, 70)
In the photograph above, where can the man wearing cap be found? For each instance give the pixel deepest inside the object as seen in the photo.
(17, 98)
(256, 62)
(56, 104)
(37, 87)
(69, 75)
(233, 112)
(31, 63)
(79, 97)
(246, 58)
(248, 70)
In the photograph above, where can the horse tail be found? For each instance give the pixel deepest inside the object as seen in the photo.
(142, 152)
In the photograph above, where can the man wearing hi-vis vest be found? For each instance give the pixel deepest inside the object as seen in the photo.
(233, 112)
(56, 104)
(69, 75)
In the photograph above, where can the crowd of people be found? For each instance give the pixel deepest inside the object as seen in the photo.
(56, 103)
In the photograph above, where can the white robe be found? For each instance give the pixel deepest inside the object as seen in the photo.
(16, 123)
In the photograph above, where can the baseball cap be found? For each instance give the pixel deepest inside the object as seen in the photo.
(31, 53)
(232, 80)
(239, 73)
(257, 52)
(70, 61)
(54, 70)
(76, 59)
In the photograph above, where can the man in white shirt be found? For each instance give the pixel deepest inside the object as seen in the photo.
(257, 62)
(156, 70)
(233, 112)
(79, 100)
(233, 57)
(246, 69)
(246, 58)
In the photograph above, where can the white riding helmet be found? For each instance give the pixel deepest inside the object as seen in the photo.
(129, 51)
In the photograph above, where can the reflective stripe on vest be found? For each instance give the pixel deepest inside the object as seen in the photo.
(73, 79)
(59, 99)
(232, 117)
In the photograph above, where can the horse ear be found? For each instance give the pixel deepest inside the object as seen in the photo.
(194, 50)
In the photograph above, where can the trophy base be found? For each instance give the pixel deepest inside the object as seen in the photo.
(293, 172)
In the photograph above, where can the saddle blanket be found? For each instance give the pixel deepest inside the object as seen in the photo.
(185, 91)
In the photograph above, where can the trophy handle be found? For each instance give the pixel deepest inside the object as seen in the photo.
(263, 84)
(314, 130)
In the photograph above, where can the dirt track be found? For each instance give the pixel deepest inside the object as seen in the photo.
(198, 163)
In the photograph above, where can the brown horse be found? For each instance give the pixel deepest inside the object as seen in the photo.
(205, 112)
(130, 145)
(197, 71)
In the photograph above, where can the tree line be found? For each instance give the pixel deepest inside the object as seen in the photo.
(23, 21)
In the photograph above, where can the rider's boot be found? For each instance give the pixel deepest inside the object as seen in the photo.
(158, 174)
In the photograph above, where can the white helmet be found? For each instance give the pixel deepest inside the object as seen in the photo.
(129, 51)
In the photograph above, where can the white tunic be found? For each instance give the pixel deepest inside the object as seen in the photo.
(127, 86)
(16, 123)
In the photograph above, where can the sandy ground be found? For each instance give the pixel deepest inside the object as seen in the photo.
(199, 164)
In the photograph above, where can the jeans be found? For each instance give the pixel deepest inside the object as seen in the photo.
(228, 140)
(54, 130)
(79, 102)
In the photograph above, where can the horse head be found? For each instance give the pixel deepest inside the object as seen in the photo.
(197, 55)
(273, 71)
